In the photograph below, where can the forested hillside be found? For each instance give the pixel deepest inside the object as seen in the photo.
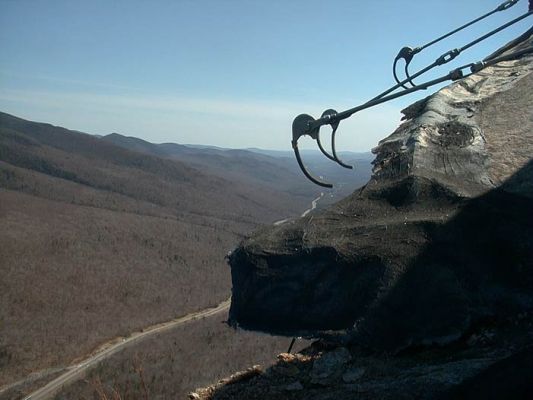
(98, 241)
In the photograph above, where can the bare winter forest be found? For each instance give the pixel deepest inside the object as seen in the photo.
(101, 237)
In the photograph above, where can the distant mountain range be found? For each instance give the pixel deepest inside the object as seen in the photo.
(197, 178)
(274, 168)
(83, 158)
(287, 153)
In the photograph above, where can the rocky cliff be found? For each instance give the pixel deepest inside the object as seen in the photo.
(441, 234)
(430, 263)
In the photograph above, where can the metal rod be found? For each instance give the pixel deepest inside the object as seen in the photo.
(408, 55)
(305, 124)
(306, 173)
(504, 26)
(339, 161)
(450, 55)
(323, 150)
(292, 344)
(348, 113)
(334, 119)
(504, 6)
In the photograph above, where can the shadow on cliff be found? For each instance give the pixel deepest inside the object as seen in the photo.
(478, 266)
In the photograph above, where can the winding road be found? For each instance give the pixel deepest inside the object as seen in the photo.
(74, 372)
(313, 206)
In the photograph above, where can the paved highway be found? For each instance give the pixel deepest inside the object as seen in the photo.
(313, 206)
(74, 372)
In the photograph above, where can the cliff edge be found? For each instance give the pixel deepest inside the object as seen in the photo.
(440, 237)
(430, 263)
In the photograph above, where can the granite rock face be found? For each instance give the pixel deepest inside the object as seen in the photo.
(439, 240)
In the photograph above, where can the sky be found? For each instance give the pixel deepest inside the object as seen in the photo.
(229, 73)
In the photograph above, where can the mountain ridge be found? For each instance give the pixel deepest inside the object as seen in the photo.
(98, 241)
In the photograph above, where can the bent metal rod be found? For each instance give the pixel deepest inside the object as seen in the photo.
(305, 124)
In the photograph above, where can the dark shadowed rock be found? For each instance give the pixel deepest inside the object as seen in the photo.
(494, 363)
(420, 284)
(510, 378)
(440, 239)
(330, 366)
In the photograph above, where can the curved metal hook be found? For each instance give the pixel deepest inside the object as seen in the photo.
(339, 161)
(304, 170)
(334, 125)
(406, 70)
(300, 127)
(324, 150)
(395, 74)
(326, 113)
(407, 54)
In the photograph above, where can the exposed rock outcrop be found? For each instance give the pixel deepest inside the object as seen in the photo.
(440, 239)
(485, 366)
(420, 283)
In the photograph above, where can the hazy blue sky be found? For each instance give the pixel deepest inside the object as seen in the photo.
(228, 73)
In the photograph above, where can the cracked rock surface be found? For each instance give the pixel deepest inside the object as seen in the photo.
(439, 239)
(419, 284)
